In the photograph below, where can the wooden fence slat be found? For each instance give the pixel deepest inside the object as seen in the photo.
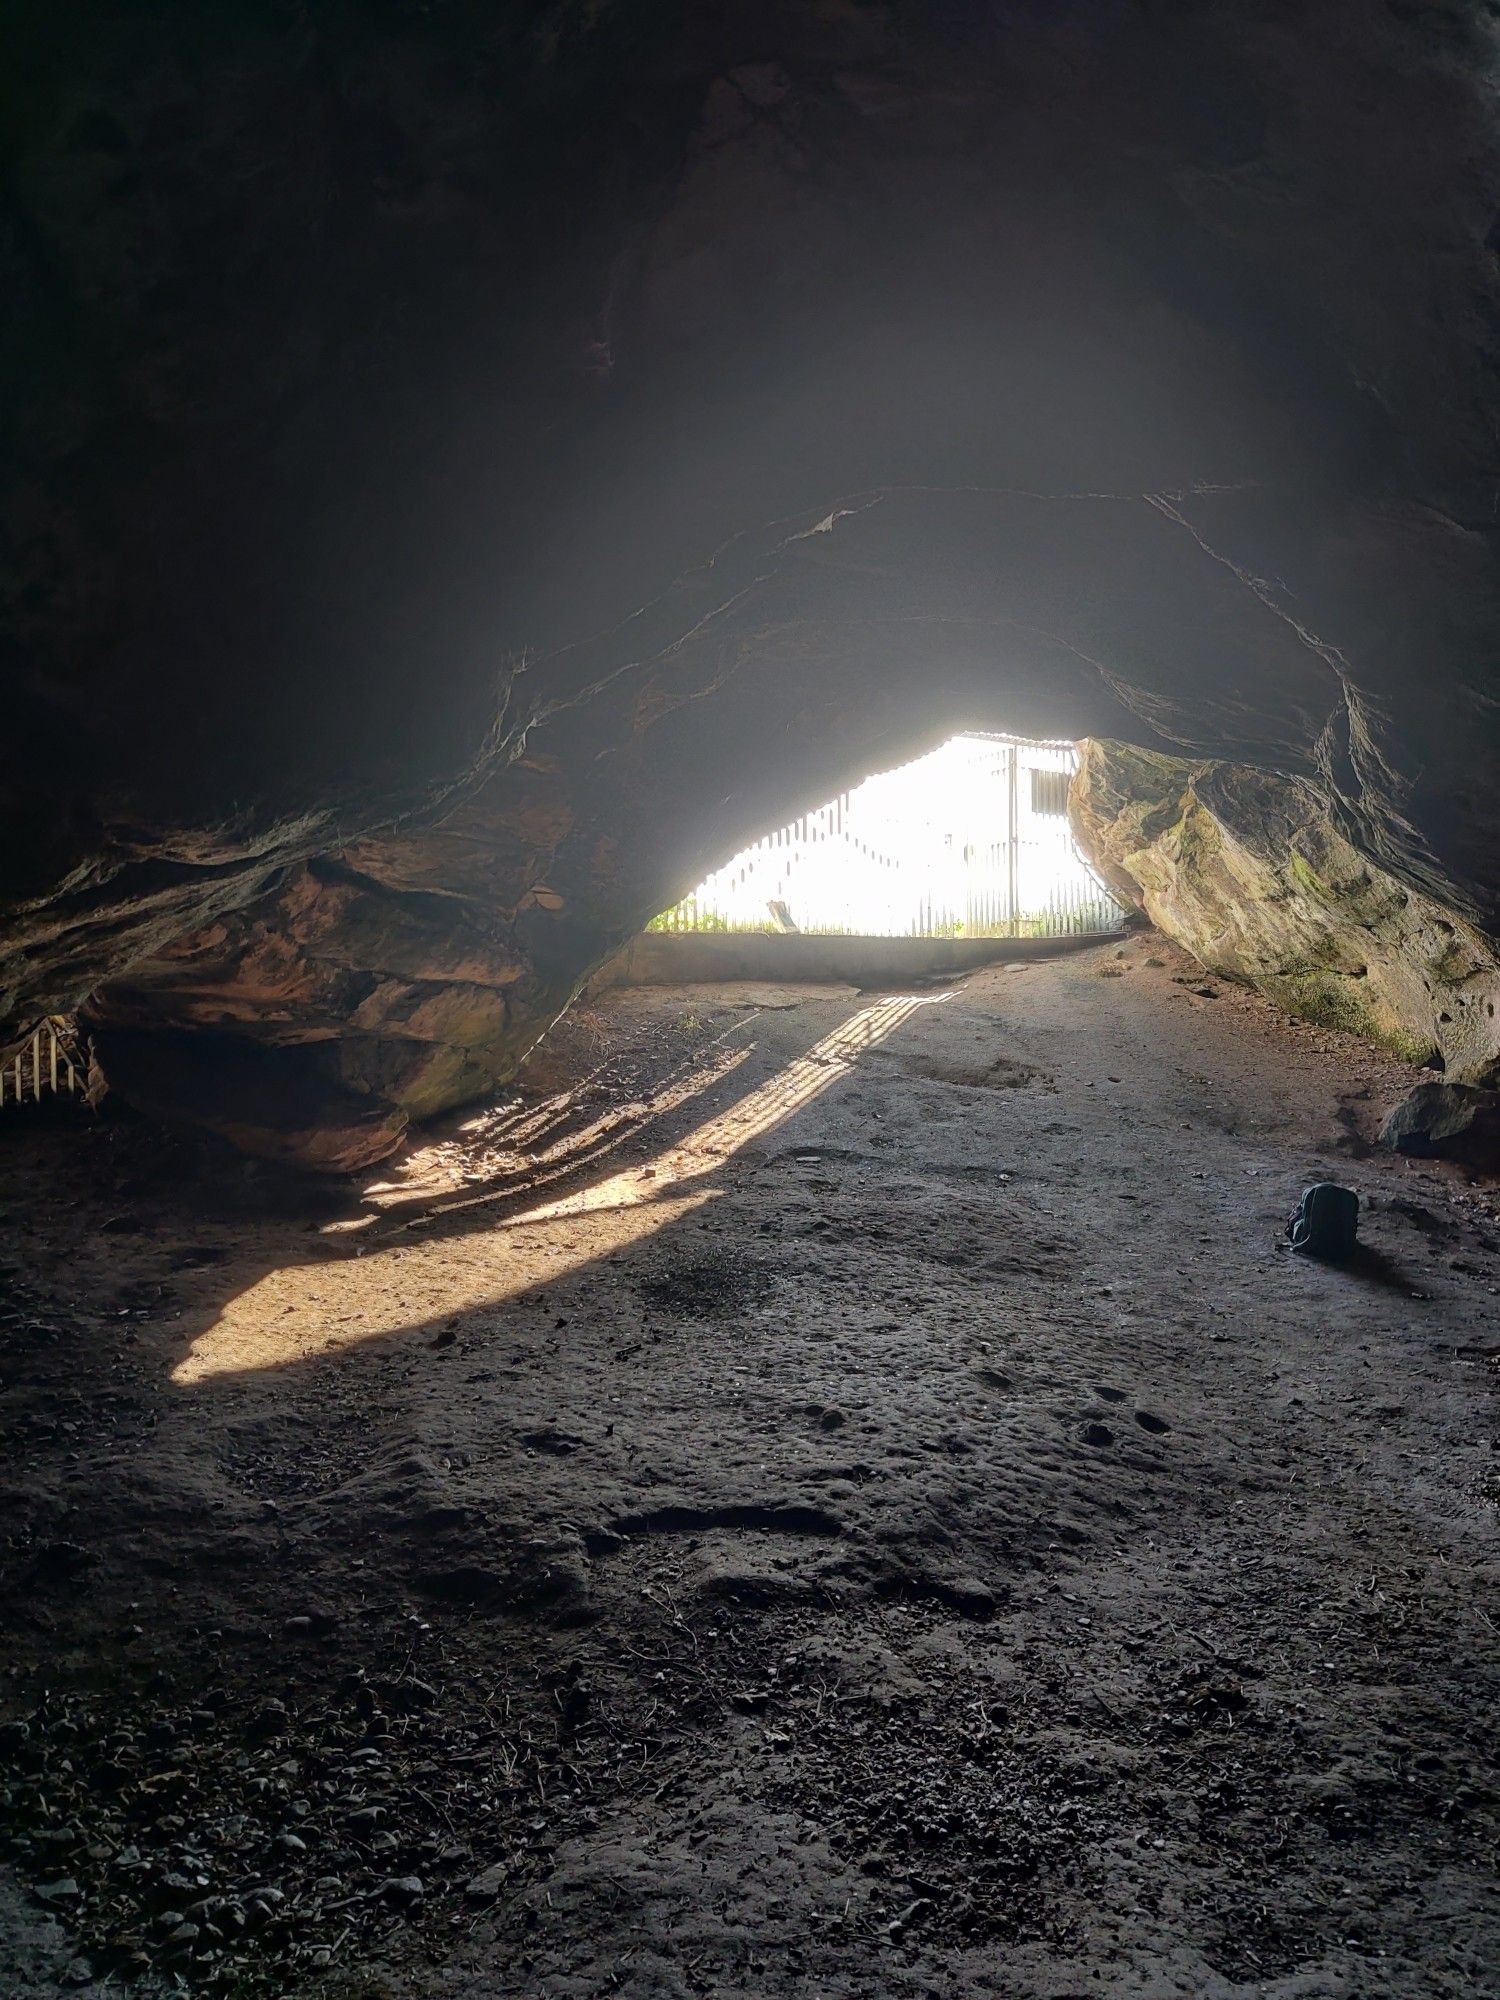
(58, 1072)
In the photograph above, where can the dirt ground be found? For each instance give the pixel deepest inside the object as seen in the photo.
(821, 1494)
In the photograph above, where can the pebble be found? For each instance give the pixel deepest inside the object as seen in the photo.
(63, 1890)
(270, 1721)
(402, 1890)
(909, 1916)
(484, 1888)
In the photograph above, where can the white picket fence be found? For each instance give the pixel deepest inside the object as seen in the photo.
(972, 840)
(45, 1061)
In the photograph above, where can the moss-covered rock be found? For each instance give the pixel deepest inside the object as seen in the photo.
(1248, 870)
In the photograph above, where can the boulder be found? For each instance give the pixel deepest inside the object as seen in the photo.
(1250, 872)
(1433, 1115)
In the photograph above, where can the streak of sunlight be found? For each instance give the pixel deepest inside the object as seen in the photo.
(524, 1150)
(304, 1311)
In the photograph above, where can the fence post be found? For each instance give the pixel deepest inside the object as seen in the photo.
(1012, 893)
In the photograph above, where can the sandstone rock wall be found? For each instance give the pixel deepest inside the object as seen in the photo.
(1249, 871)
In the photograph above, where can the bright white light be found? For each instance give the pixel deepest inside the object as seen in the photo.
(971, 840)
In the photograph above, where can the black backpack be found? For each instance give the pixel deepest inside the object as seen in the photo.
(1326, 1222)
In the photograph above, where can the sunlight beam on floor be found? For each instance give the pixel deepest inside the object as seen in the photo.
(305, 1311)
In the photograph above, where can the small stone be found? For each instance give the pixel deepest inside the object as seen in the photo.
(402, 1891)
(970, 1596)
(406, 1696)
(911, 1915)
(170, 1892)
(485, 1887)
(63, 1890)
(268, 1722)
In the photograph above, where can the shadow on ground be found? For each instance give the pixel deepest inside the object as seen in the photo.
(882, 1540)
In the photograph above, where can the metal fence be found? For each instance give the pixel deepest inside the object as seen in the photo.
(47, 1060)
(972, 840)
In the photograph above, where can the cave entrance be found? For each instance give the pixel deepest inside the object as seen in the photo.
(971, 840)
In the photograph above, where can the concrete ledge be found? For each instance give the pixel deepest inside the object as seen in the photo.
(686, 958)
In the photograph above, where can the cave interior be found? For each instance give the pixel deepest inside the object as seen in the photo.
(523, 1483)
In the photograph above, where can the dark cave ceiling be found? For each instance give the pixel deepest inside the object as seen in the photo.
(457, 450)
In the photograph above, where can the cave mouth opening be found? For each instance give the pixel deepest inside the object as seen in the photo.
(970, 840)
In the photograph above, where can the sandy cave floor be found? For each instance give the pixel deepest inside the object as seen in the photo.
(822, 1494)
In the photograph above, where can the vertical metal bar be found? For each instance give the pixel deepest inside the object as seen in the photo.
(36, 1066)
(1012, 762)
(52, 1040)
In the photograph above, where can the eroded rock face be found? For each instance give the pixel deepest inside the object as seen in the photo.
(1435, 1115)
(1248, 871)
(364, 989)
(468, 469)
